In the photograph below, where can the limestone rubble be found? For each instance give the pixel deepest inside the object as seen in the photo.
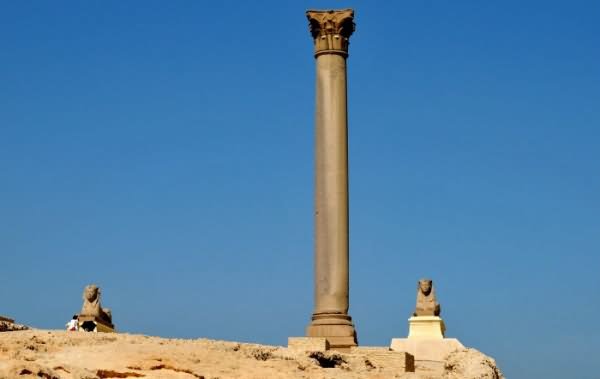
(8, 326)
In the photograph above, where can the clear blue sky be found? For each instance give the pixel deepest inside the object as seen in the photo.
(164, 150)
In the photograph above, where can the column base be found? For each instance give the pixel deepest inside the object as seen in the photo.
(338, 329)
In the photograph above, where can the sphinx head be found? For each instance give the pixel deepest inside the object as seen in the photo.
(91, 292)
(425, 286)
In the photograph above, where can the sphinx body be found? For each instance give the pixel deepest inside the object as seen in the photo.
(427, 304)
(92, 307)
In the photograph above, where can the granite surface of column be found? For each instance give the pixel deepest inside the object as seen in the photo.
(331, 31)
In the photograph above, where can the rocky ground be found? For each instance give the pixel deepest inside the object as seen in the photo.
(65, 355)
(7, 326)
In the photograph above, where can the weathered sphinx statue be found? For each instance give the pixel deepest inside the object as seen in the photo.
(91, 306)
(426, 302)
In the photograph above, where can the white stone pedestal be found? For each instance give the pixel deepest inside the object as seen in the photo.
(426, 327)
(426, 340)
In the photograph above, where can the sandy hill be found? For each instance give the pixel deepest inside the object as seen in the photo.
(58, 354)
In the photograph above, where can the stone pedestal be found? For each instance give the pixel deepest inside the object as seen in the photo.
(426, 327)
(95, 324)
(425, 349)
(331, 32)
(426, 340)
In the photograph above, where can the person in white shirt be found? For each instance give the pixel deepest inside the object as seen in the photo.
(73, 324)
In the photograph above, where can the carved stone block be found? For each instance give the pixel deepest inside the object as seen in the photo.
(397, 362)
(308, 343)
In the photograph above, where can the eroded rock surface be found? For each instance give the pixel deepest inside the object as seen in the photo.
(470, 364)
(77, 355)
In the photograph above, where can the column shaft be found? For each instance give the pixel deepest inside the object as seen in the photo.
(331, 186)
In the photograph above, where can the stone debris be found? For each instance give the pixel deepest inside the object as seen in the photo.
(10, 326)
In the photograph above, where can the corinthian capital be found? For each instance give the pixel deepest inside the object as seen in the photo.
(331, 30)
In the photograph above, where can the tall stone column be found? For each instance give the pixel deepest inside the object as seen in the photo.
(331, 31)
